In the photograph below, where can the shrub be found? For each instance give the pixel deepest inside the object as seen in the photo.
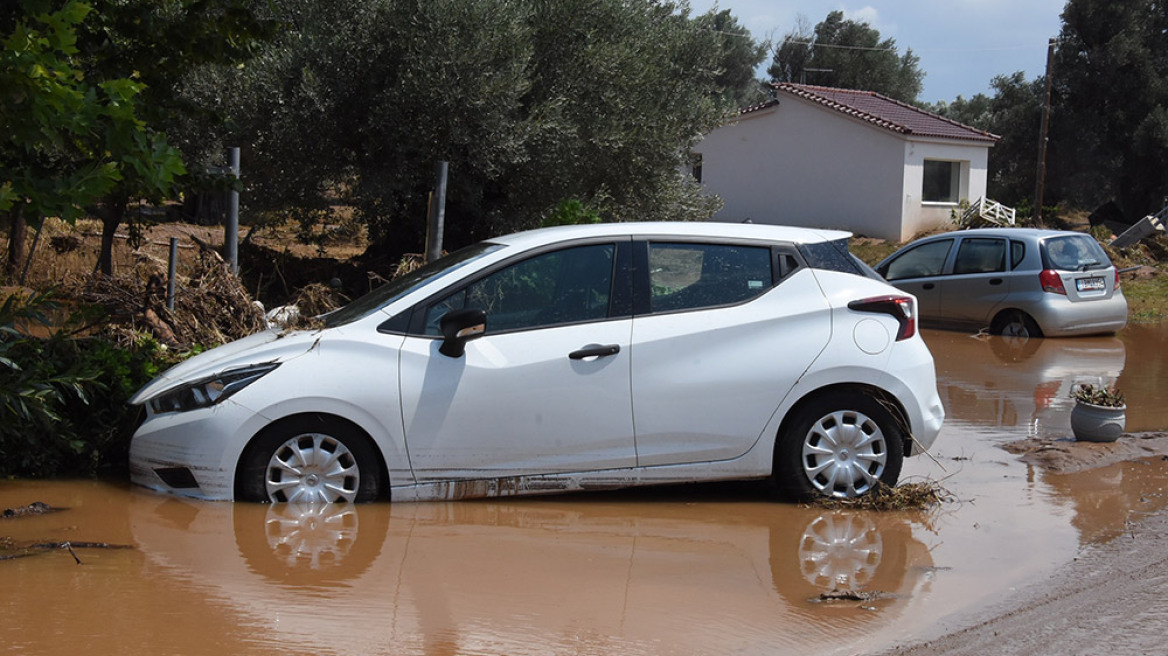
(63, 400)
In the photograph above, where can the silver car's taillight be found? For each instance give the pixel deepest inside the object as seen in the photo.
(1052, 282)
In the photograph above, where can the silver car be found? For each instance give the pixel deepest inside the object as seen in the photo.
(1015, 281)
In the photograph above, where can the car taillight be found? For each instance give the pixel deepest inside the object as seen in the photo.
(1051, 282)
(900, 308)
(1117, 279)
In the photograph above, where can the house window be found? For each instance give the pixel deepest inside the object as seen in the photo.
(942, 184)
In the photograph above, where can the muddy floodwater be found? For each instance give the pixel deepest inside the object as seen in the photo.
(689, 570)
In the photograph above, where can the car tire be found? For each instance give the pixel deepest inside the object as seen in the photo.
(309, 459)
(838, 445)
(1016, 323)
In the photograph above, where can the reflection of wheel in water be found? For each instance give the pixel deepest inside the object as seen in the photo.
(847, 552)
(840, 552)
(316, 536)
(310, 544)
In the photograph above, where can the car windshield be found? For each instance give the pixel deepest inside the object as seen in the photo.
(1074, 253)
(402, 285)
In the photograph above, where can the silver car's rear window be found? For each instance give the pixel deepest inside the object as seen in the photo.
(1073, 253)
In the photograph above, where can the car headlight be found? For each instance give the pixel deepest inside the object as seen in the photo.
(209, 391)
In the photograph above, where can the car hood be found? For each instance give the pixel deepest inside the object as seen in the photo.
(274, 345)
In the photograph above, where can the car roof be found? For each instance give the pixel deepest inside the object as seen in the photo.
(690, 229)
(1036, 233)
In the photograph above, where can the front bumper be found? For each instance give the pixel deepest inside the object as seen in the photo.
(192, 454)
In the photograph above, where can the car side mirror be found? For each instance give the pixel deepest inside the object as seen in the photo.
(458, 327)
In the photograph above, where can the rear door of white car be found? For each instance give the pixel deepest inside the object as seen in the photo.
(524, 398)
(722, 333)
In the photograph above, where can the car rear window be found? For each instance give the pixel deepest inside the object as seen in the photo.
(832, 256)
(1073, 253)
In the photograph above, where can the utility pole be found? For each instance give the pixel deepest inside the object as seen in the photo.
(436, 220)
(1040, 178)
(231, 230)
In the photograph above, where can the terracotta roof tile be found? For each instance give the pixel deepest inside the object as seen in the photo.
(881, 111)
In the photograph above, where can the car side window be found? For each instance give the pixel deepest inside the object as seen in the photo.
(925, 260)
(980, 255)
(685, 276)
(1017, 253)
(565, 286)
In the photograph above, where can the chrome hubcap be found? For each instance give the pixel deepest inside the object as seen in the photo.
(312, 468)
(844, 454)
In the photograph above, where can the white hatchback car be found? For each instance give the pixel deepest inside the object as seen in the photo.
(572, 358)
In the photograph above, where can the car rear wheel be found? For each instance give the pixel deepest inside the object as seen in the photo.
(309, 460)
(1016, 323)
(839, 445)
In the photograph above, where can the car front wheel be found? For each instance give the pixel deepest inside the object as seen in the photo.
(839, 445)
(309, 460)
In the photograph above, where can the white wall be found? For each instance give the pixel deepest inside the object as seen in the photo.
(805, 165)
(920, 216)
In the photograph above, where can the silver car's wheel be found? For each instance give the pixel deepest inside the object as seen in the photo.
(1016, 324)
(312, 468)
(840, 445)
(309, 459)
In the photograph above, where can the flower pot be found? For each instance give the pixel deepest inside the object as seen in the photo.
(1097, 423)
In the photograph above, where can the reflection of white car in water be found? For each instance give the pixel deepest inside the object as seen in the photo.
(535, 578)
(1002, 382)
(574, 358)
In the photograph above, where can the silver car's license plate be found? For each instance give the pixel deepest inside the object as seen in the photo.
(1090, 284)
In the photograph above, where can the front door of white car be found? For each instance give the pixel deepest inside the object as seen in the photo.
(545, 390)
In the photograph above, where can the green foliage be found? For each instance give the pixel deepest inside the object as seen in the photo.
(1109, 128)
(847, 54)
(570, 212)
(530, 102)
(63, 407)
(741, 55)
(1107, 397)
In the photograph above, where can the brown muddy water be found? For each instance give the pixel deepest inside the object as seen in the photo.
(690, 570)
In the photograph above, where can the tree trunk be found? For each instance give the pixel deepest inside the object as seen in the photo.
(17, 230)
(115, 211)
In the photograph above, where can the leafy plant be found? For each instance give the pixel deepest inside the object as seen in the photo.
(63, 400)
(1107, 397)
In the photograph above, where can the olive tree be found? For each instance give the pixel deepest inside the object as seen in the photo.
(530, 101)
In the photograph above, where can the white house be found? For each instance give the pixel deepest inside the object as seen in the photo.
(837, 158)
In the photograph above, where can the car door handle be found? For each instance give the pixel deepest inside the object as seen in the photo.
(995, 281)
(927, 285)
(595, 351)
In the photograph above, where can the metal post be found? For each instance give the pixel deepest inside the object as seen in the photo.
(170, 271)
(1040, 181)
(231, 232)
(437, 217)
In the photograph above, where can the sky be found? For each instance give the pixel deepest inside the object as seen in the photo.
(962, 44)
